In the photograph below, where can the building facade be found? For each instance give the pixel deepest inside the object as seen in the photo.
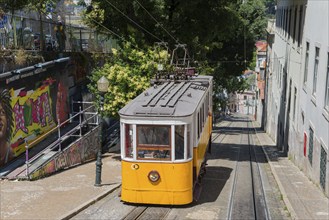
(297, 86)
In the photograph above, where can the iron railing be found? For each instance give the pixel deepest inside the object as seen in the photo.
(24, 31)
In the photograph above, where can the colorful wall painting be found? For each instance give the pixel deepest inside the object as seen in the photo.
(6, 120)
(62, 109)
(32, 115)
(28, 112)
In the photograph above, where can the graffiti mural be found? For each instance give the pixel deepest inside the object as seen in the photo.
(62, 110)
(46, 170)
(80, 151)
(6, 124)
(32, 114)
(91, 145)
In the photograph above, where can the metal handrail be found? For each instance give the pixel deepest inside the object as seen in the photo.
(58, 141)
(48, 132)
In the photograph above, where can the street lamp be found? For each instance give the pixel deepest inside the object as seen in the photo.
(102, 87)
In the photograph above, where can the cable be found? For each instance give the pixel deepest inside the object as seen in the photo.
(116, 34)
(134, 21)
(176, 40)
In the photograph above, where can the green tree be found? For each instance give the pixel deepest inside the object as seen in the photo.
(220, 34)
(12, 6)
(40, 6)
(129, 73)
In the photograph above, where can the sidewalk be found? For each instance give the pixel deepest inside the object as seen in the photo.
(60, 195)
(303, 199)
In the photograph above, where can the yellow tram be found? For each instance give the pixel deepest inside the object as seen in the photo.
(165, 133)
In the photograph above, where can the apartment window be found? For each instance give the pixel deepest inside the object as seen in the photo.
(281, 19)
(300, 25)
(310, 146)
(277, 15)
(290, 24)
(306, 61)
(281, 75)
(323, 169)
(286, 22)
(326, 102)
(316, 65)
(295, 100)
(294, 27)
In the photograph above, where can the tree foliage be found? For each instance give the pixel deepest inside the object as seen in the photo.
(129, 73)
(41, 6)
(11, 6)
(220, 34)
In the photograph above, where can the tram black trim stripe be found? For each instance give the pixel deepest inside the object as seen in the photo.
(160, 94)
(151, 98)
(173, 93)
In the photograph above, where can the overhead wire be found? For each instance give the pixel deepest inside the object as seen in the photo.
(133, 21)
(176, 40)
(122, 38)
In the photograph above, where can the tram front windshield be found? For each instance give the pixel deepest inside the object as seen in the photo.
(153, 142)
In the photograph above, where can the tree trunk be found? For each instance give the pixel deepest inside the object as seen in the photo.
(42, 41)
(13, 22)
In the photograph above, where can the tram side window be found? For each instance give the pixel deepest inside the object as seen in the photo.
(129, 140)
(202, 116)
(179, 142)
(153, 142)
(189, 141)
(198, 125)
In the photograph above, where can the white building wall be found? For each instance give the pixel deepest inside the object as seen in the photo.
(312, 105)
(297, 107)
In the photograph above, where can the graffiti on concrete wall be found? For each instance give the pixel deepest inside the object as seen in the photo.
(5, 126)
(62, 109)
(91, 145)
(82, 150)
(32, 114)
(45, 170)
(69, 157)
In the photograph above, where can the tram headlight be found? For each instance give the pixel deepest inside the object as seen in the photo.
(154, 176)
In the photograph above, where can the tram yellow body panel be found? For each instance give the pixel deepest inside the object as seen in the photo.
(200, 151)
(175, 186)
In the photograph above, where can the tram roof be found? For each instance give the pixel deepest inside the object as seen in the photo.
(168, 98)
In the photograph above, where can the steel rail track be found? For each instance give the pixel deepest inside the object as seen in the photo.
(219, 134)
(263, 202)
(260, 205)
(258, 197)
(233, 191)
(146, 213)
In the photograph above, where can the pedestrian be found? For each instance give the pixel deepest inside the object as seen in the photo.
(6, 122)
(60, 34)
